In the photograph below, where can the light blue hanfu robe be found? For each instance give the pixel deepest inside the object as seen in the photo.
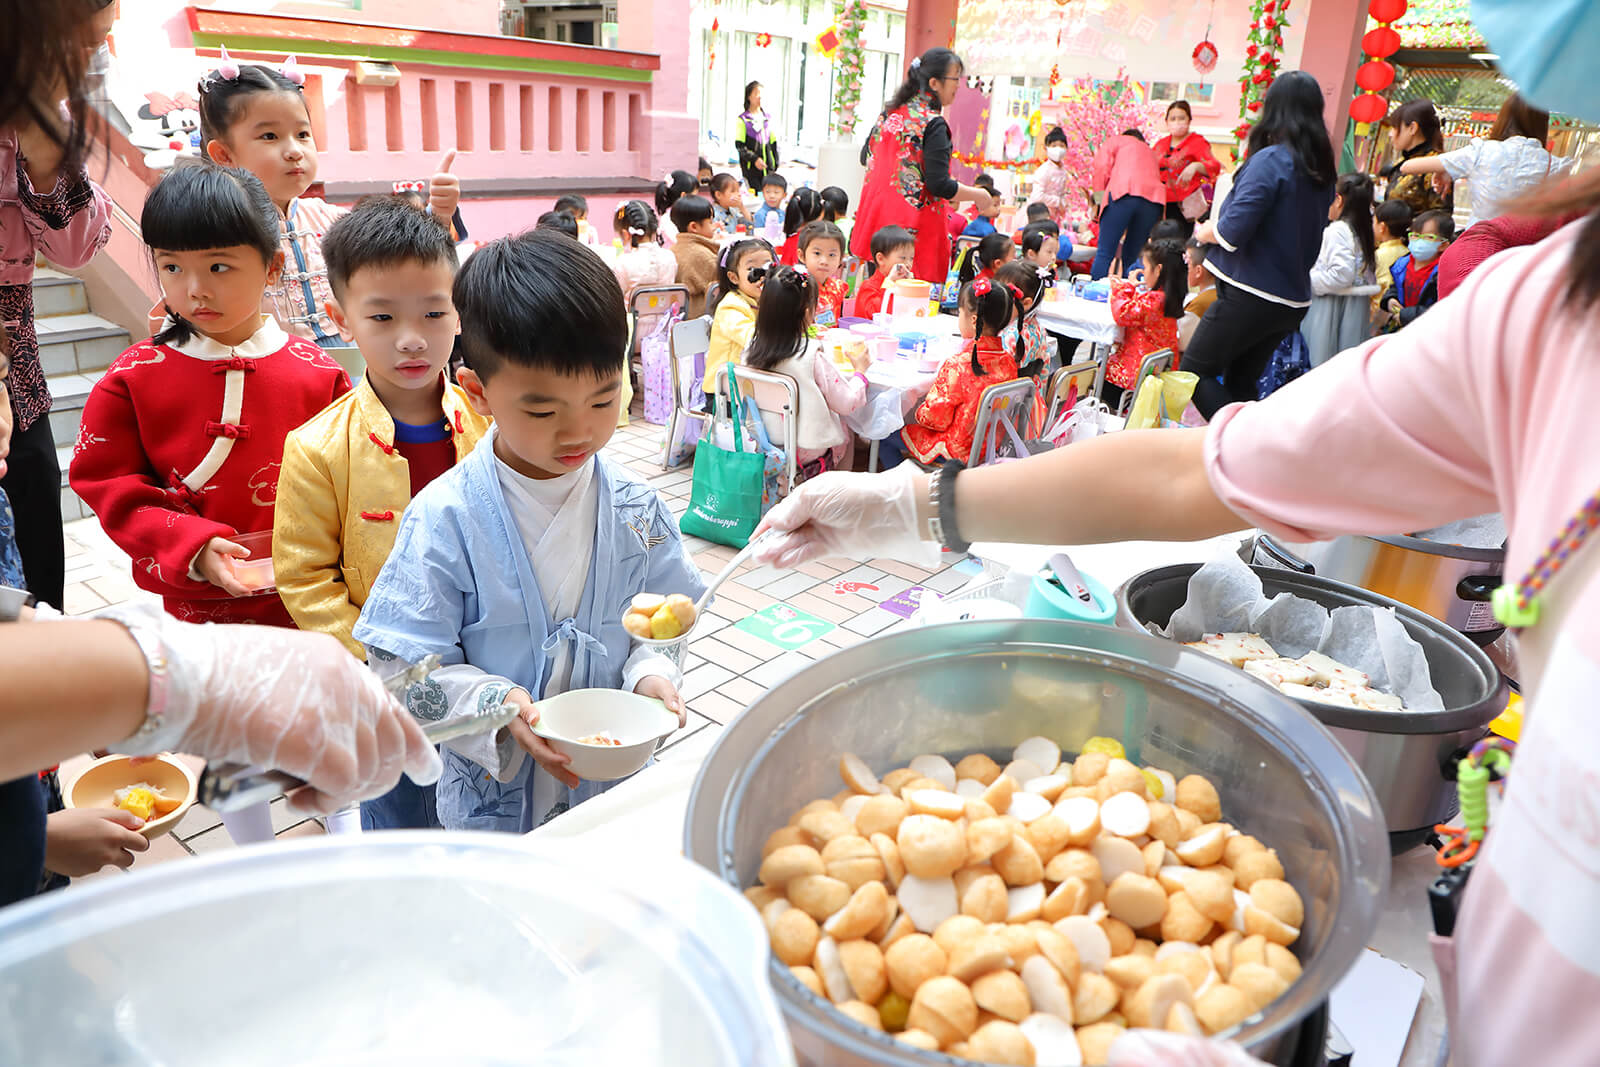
(459, 583)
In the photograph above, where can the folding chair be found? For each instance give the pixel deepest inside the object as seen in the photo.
(1080, 374)
(1156, 362)
(774, 394)
(690, 339)
(1015, 399)
(652, 300)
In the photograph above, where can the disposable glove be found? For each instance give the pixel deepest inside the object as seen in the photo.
(856, 516)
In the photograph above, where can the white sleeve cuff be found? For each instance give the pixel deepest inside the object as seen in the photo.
(643, 663)
(1223, 241)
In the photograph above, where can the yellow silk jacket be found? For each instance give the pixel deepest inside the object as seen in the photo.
(341, 492)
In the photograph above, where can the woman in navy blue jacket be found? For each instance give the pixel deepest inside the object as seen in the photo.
(1266, 239)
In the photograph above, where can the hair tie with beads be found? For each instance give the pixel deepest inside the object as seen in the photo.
(981, 287)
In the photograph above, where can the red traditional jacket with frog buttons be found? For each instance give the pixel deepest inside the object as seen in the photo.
(181, 443)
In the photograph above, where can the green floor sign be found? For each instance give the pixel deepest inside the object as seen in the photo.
(788, 628)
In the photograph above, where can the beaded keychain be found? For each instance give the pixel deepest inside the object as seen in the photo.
(1517, 606)
(1492, 754)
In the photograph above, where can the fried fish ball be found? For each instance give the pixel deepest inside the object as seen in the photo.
(913, 960)
(931, 847)
(789, 862)
(881, 814)
(944, 1008)
(1198, 795)
(794, 937)
(1000, 1042)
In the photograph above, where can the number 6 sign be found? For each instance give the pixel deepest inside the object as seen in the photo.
(784, 626)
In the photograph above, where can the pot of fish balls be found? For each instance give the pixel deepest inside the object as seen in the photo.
(662, 623)
(1011, 841)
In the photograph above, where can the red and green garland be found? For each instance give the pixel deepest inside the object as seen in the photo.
(1263, 57)
(850, 25)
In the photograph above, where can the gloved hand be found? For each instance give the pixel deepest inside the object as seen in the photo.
(850, 515)
(283, 700)
(1159, 1048)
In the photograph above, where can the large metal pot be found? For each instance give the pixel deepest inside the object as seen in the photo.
(987, 685)
(1409, 757)
(1453, 583)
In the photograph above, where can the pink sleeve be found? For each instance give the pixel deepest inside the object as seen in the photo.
(845, 393)
(1398, 435)
(1104, 160)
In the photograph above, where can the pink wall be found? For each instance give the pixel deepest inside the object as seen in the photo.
(465, 16)
(662, 27)
(1333, 52)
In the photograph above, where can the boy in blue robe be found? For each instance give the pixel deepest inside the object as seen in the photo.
(517, 566)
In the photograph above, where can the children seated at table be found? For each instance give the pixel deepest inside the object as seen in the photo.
(774, 187)
(696, 250)
(703, 173)
(984, 260)
(742, 271)
(1202, 291)
(893, 249)
(560, 222)
(679, 184)
(822, 254)
(783, 345)
(1028, 284)
(643, 260)
(350, 473)
(942, 425)
(805, 207)
(515, 566)
(1039, 244)
(1148, 312)
(982, 223)
(1414, 279)
(578, 207)
(836, 209)
(727, 203)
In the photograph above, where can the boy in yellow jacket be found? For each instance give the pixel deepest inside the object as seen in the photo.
(350, 472)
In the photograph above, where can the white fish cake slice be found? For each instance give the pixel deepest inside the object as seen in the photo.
(1342, 698)
(1331, 672)
(1374, 700)
(1280, 670)
(1237, 648)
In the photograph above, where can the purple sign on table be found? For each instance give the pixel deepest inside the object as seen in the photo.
(905, 604)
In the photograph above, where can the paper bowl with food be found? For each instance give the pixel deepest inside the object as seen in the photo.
(607, 733)
(662, 623)
(158, 790)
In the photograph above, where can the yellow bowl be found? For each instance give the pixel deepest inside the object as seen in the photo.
(97, 786)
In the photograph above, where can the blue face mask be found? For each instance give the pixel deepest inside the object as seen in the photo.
(1424, 249)
(1547, 47)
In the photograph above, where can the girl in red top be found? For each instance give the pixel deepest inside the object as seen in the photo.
(1148, 314)
(822, 254)
(942, 425)
(181, 441)
(805, 207)
(892, 250)
(1186, 161)
(993, 252)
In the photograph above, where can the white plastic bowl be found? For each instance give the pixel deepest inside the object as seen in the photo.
(638, 722)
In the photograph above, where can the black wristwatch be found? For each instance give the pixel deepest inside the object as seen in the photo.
(942, 501)
(12, 601)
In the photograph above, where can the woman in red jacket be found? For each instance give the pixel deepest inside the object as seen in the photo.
(1187, 164)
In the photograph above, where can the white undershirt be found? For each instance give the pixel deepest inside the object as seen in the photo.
(556, 519)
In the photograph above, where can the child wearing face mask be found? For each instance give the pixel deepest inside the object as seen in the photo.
(1414, 278)
(1050, 180)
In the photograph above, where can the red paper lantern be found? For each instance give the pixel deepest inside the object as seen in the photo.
(1369, 107)
(1381, 42)
(1386, 10)
(1375, 76)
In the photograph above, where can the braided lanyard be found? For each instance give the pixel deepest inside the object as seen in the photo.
(1517, 606)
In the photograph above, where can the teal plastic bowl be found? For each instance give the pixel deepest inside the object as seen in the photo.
(1046, 600)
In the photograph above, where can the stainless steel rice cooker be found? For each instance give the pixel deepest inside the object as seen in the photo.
(1408, 756)
(1451, 581)
(985, 686)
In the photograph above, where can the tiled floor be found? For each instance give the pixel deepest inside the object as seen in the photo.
(764, 626)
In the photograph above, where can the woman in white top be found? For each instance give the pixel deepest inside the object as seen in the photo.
(1510, 164)
(1347, 260)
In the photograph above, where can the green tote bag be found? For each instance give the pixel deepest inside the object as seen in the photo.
(725, 498)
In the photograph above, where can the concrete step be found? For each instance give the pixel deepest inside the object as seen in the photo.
(79, 344)
(69, 393)
(55, 293)
(71, 507)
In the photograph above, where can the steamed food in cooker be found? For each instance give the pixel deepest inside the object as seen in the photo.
(1313, 676)
(1028, 914)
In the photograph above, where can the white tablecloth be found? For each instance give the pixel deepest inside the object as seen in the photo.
(1087, 320)
(893, 389)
